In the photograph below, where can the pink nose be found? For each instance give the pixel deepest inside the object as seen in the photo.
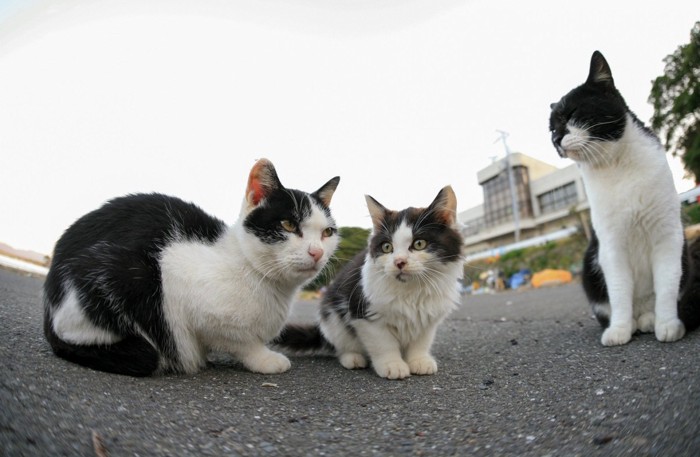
(316, 253)
(400, 263)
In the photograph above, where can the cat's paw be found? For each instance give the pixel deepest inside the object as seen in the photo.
(671, 330)
(353, 360)
(394, 369)
(645, 322)
(269, 363)
(423, 365)
(615, 336)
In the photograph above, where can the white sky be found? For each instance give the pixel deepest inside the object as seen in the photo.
(101, 98)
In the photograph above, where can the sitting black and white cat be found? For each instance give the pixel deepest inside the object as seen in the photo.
(637, 272)
(149, 283)
(387, 303)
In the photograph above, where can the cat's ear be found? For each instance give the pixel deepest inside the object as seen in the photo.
(445, 206)
(262, 181)
(325, 193)
(600, 70)
(376, 211)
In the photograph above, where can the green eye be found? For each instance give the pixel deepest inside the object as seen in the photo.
(328, 232)
(419, 245)
(288, 226)
(387, 248)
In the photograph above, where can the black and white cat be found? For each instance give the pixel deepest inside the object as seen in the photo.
(637, 272)
(387, 303)
(149, 283)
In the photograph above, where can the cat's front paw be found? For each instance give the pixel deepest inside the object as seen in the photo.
(615, 336)
(671, 330)
(353, 360)
(269, 363)
(395, 369)
(423, 365)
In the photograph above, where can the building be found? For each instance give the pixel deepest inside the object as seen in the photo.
(551, 203)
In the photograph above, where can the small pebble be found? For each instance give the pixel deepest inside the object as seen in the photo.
(599, 440)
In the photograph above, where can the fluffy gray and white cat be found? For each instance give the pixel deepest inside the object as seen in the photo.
(149, 283)
(638, 273)
(387, 303)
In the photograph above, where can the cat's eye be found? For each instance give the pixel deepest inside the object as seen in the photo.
(288, 226)
(419, 245)
(328, 232)
(387, 248)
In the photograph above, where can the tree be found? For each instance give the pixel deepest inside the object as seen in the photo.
(676, 99)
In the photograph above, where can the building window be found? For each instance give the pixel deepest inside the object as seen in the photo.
(472, 227)
(498, 206)
(562, 197)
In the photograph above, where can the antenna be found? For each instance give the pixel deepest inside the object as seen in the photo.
(502, 135)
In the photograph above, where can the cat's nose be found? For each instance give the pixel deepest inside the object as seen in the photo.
(316, 253)
(400, 263)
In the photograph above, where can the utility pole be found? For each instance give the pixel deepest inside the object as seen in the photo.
(511, 183)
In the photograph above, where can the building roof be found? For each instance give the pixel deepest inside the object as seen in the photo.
(536, 168)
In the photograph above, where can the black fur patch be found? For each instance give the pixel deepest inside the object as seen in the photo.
(689, 302)
(346, 295)
(595, 107)
(111, 257)
(303, 338)
(282, 204)
(592, 277)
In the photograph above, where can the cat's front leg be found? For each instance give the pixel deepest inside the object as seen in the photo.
(259, 359)
(418, 356)
(621, 324)
(620, 284)
(667, 276)
(383, 349)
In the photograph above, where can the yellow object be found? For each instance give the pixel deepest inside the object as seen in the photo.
(550, 278)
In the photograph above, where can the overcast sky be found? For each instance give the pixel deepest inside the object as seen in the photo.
(399, 97)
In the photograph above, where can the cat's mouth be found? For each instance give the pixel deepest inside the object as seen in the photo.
(403, 276)
(569, 153)
(309, 271)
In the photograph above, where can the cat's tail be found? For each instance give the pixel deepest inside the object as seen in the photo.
(303, 340)
(132, 356)
(689, 303)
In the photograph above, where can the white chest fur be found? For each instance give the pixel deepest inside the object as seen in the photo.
(408, 309)
(635, 212)
(214, 300)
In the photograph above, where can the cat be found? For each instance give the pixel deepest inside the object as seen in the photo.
(148, 283)
(388, 301)
(638, 274)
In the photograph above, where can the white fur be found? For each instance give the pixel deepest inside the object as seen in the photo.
(71, 325)
(234, 295)
(635, 212)
(404, 315)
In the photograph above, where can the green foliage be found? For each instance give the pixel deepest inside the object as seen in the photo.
(676, 99)
(691, 214)
(352, 241)
(513, 256)
(566, 254)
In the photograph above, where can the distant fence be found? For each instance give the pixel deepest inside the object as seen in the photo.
(21, 265)
(538, 240)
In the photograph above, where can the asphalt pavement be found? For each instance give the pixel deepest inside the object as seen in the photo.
(520, 373)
